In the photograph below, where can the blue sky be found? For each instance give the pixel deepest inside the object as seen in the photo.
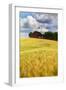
(30, 21)
(25, 14)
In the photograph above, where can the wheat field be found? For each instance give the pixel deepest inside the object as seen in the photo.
(38, 57)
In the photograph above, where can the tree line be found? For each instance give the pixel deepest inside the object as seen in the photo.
(46, 35)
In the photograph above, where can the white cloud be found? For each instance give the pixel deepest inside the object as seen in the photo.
(41, 16)
(28, 22)
(23, 21)
(41, 30)
(32, 22)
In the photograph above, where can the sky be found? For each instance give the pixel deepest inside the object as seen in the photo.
(36, 21)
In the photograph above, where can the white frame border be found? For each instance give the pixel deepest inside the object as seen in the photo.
(14, 75)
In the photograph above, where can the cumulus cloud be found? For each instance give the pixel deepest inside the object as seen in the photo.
(41, 17)
(32, 22)
(45, 17)
(29, 22)
(40, 21)
(49, 21)
(42, 30)
(22, 22)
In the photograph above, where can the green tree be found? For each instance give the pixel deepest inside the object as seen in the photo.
(30, 34)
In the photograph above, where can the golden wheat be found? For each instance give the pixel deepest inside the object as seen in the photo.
(38, 57)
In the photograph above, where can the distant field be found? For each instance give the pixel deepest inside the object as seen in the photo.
(38, 57)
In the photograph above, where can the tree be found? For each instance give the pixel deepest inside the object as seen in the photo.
(51, 35)
(30, 34)
(55, 36)
(35, 34)
(48, 35)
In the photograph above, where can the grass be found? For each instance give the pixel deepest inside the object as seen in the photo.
(38, 57)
